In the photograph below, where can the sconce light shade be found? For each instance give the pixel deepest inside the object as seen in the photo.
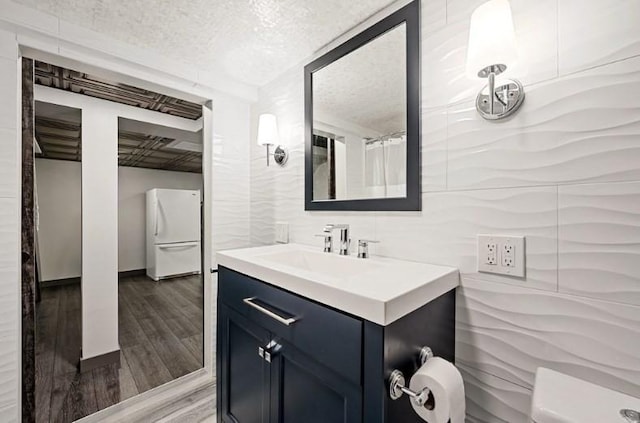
(268, 135)
(492, 39)
(493, 50)
(268, 130)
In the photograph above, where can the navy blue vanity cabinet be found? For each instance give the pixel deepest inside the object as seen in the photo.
(283, 358)
(303, 390)
(397, 346)
(309, 370)
(247, 376)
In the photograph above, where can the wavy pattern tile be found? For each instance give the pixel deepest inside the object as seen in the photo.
(9, 237)
(8, 162)
(599, 248)
(579, 128)
(8, 86)
(8, 46)
(9, 414)
(262, 223)
(445, 231)
(304, 229)
(230, 179)
(510, 331)
(433, 15)
(491, 399)
(434, 149)
(9, 304)
(9, 350)
(230, 175)
(607, 30)
(444, 50)
(230, 225)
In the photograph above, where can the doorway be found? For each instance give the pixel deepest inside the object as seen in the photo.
(159, 324)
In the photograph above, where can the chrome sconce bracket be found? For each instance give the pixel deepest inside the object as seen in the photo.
(280, 155)
(501, 101)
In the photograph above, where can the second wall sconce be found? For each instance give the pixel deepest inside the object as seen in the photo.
(268, 135)
(491, 51)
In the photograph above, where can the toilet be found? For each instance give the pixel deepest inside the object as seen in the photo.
(558, 398)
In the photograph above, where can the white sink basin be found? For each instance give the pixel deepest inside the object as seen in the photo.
(331, 265)
(377, 289)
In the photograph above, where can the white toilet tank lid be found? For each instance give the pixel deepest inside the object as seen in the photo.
(558, 398)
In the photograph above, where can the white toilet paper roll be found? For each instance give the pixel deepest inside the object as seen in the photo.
(445, 383)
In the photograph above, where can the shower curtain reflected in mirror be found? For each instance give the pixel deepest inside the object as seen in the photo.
(386, 166)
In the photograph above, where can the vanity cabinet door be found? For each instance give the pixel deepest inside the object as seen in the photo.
(303, 390)
(244, 378)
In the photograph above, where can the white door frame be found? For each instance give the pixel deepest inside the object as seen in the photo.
(157, 81)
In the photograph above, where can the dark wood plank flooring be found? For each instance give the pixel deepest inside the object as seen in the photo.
(161, 339)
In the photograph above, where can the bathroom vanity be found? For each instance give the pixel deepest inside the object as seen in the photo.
(306, 336)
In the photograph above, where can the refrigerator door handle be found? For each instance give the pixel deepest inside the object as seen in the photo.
(156, 219)
(179, 245)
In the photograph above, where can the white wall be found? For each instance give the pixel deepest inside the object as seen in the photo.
(564, 172)
(59, 190)
(99, 231)
(59, 193)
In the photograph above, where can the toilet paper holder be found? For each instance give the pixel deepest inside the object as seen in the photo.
(397, 382)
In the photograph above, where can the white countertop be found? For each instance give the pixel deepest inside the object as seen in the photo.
(377, 289)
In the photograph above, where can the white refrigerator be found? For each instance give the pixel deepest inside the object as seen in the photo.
(173, 233)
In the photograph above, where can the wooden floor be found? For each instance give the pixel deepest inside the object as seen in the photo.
(161, 339)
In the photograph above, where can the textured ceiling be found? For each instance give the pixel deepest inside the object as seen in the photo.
(82, 83)
(251, 40)
(367, 87)
(59, 135)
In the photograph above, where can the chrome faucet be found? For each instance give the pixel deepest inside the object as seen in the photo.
(344, 236)
(328, 240)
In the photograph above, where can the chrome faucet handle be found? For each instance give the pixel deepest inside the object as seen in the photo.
(363, 247)
(328, 227)
(328, 241)
(345, 241)
(332, 226)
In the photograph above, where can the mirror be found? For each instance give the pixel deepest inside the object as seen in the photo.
(362, 120)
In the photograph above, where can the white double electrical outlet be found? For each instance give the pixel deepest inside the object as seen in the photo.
(503, 255)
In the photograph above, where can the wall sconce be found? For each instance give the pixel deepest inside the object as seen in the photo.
(268, 135)
(492, 50)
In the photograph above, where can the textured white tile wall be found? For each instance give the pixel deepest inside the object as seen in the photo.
(445, 231)
(599, 234)
(509, 332)
(491, 399)
(10, 414)
(577, 309)
(578, 128)
(9, 275)
(230, 173)
(596, 32)
(9, 230)
(8, 162)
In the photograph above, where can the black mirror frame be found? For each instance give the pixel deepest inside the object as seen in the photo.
(409, 14)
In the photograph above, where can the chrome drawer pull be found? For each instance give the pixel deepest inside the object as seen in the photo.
(269, 313)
